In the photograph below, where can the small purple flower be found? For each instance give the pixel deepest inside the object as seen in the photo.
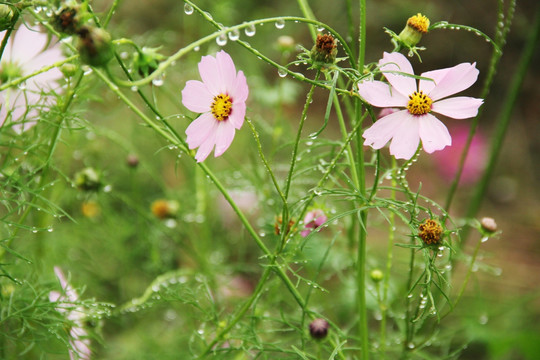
(79, 341)
(220, 99)
(414, 123)
(312, 221)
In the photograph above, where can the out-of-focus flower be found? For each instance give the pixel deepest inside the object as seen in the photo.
(313, 220)
(407, 127)
(447, 160)
(164, 209)
(488, 224)
(90, 209)
(88, 179)
(220, 99)
(79, 340)
(246, 200)
(279, 222)
(24, 54)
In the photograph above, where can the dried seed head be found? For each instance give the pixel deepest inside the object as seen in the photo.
(319, 328)
(430, 232)
(325, 49)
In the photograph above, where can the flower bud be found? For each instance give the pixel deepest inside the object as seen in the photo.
(417, 26)
(95, 46)
(132, 161)
(6, 17)
(376, 275)
(67, 20)
(488, 224)
(164, 209)
(430, 232)
(318, 328)
(88, 179)
(285, 43)
(325, 49)
(146, 61)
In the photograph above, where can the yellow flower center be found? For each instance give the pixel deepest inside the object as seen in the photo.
(221, 107)
(419, 23)
(430, 232)
(419, 103)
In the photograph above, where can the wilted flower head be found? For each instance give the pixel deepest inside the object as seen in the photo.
(313, 220)
(79, 341)
(407, 127)
(325, 49)
(220, 99)
(24, 54)
(430, 232)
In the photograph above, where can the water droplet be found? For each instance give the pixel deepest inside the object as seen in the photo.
(157, 81)
(250, 30)
(196, 48)
(410, 345)
(221, 40)
(50, 229)
(87, 71)
(320, 28)
(134, 88)
(282, 73)
(188, 9)
(234, 35)
(170, 223)
(124, 55)
(484, 239)
(483, 320)
(22, 86)
(280, 24)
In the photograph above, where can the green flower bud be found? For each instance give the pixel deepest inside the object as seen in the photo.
(95, 46)
(6, 17)
(88, 179)
(147, 61)
(376, 275)
(416, 27)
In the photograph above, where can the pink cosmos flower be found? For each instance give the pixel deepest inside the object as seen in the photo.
(221, 100)
(79, 341)
(313, 220)
(407, 127)
(25, 53)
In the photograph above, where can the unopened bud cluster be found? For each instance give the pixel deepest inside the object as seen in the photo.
(6, 17)
(94, 44)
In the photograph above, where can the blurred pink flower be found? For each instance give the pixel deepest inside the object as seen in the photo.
(407, 127)
(221, 100)
(447, 160)
(312, 221)
(79, 341)
(25, 53)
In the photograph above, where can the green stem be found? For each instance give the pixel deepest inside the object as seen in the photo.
(409, 330)
(504, 120)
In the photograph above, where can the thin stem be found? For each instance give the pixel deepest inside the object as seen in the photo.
(408, 321)
(111, 13)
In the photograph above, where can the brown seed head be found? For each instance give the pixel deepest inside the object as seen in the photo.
(430, 232)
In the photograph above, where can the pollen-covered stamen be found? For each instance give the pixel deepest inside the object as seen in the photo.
(419, 23)
(419, 103)
(221, 107)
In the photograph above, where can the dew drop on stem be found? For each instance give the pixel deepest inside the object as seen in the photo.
(280, 24)
(188, 9)
(234, 35)
(221, 40)
(282, 73)
(250, 30)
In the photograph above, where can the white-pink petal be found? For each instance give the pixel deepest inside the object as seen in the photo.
(200, 129)
(227, 70)
(397, 62)
(406, 138)
(460, 107)
(380, 94)
(240, 90)
(237, 115)
(206, 147)
(224, 137)
(211, 75)
(196, 97)
(433, 133)
(384, 129)
(449, 81)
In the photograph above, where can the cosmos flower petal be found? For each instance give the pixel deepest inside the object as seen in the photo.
(237, 115)
(211, 75)
(406, 138)
(27, 43)
(383, 129)
(224, 137)
(241, 90)
(196, 96)
(206, 147)
(449, 81)
(200, 129)
(460, 107)
(227, 70)
(433, 133)
(397, 62)
(380, 94)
